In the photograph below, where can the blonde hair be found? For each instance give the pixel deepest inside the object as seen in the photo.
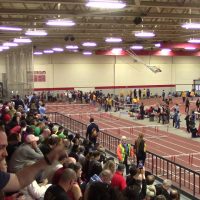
(110, 165)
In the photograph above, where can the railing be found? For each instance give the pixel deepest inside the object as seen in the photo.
(184, 178)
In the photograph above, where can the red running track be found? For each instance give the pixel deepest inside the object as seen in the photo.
(158, 141)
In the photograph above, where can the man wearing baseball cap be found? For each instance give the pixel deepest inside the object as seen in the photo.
(10, 182)
(29, 151)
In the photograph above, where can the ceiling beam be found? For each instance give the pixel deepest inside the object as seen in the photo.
(68, 13)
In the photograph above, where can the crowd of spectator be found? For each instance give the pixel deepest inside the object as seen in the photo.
(42, 160)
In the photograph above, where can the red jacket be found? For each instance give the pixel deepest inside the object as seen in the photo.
(118, 181)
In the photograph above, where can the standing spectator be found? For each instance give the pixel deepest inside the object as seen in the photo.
(178, 120)
(163, 95)
(187, 120)
(118, 181)
(140, 93)
(197, 104)
(140, 149)
(125, 153)
(187, 105)
(92, 131)
(164, 189)
(183, 96)
(142, 111)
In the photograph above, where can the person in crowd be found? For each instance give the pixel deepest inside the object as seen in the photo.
(140, 149)
(136, 190)
(177, 120)
(163, 95)
(95, 166)
(175, 194)
(110, 165)
(164, 189)
(187, 120)
(25, 153)
(118, 181)
(151, 189)
(142, 112)
(187, 105)
(125, 153)
(92, 131)
(13, 182)
(102, 191)
(65, 183)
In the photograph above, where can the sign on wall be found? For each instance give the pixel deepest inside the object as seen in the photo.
(39, 76)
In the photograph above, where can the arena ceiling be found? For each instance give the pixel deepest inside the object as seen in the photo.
(163, 17)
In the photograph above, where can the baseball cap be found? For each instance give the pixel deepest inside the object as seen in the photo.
(31, 138)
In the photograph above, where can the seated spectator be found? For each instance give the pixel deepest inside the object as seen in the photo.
(135, 176)
(175, 195)
(45, 134)
(29, 151)
(136, 191)
(151, 189)
(102, 191)
(81, 157)
(110, 165)
(164, 189)
(14, 141)
(75, 191)
(94, 165)
(65, 183)
(160, 197)
(35, 190)
(118, 180)
(74, 152)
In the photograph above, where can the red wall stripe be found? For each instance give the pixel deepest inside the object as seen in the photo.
(106, 87)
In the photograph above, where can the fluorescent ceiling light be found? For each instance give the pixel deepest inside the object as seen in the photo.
(191, 26)
(166, 50)
(190, 48)
(48, 51)
(158, 45)
(9, 28)
(197, 40)
(71, 47)
(10, 44)
(144, 34)
(106, 4)
(4, 47)
(60, 22)
(113, 39)
(136, 47)
(22, 40)
(89, 44)
(36, 33)
(87, 53)
(57, 49)
(38, 53)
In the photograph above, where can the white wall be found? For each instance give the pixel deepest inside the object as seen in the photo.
(64, 70)
(2, 65)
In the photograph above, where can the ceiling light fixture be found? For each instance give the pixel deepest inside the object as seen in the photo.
(158, 45)
(60, 22)
(194, 40)
(136, 47)
(144, 34)
(87, 53)
(89, 44)
(4, 47)
(38, 53)
(166, 50)
(36, 33)
(10, 44)
(71, 47)
(48, 51)
(57, 49)
(113, 40)
(191, 26)
(106, 4)
(22, 40)
(9, 28)
(190, 48)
